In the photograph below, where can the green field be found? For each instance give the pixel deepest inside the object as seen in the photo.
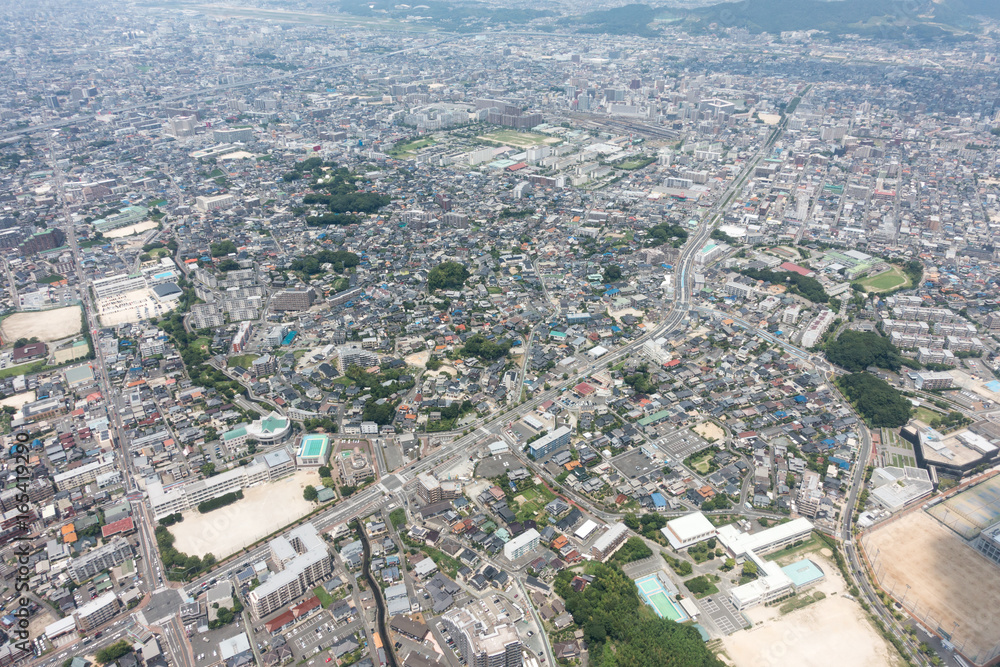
(23, 369)
(885, 281)
(898, 460)
(157, 253)
(534, 500)
(519, 139)
(243, 360)
(635, 162)
(410, 148)
(701, 463)
(325, 598)
(925, 415)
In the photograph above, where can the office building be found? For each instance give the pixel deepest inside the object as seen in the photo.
(302, 560)
(550, 442)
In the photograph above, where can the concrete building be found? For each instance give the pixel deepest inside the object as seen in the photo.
(521, 544)
(314, 450)
(86, 473)
(119, 284)
(97, 612)
(687, 530)
(293, 299)
(430, 490)
(181, 497)
(207, 204)
(302, 560)
(481, 643)
(550, 442)
(608, 543)
(988, 543)
(930, 380)
(95, 561)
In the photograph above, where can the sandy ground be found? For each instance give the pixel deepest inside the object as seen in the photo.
(70, 353)
(832, 631)
(17, 400)
(36, 627)
(417, 358)
(710, 431)
(47, 325)
(619, 314)
(137, 228)
(263, 510)
(132, 306)
(949, 581)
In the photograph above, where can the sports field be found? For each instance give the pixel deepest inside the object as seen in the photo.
(45, 325)
(939, 578)
(655, 595)
(970, 511)
(520, 139)
(885, 281)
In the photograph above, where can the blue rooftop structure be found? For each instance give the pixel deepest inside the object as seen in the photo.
(803, 572)
(801, 399)
(658, 500)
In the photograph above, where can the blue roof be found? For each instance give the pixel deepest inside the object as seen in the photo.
(658, 499)
(801, 399)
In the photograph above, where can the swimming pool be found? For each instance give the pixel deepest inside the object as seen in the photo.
(651, 590)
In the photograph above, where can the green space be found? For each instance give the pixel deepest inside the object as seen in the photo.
(494, 290)
(875, 400)
(885, 281)
(800, 601)
(410, 148)
(220, 502)
(22, 369)
(796, 550)
(926, 415)
(204, 342)
(157, 253)
(445, 563)
(634, 162)
(398, 517)
(325, 598)
(899, 460)
(796, 283)
(700, 462)
(447, 275)
(535, 499)
(634, 549)
(621, 630)
(857, 350)
(241, 360)
(703, 585)
(51, 278)
(519, 139)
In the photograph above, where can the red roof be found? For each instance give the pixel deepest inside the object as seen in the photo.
(584, 389)
(516, 167)
(122, 526)
(795, 268)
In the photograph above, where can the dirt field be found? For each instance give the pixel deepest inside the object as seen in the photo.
(47, 325)
(263, 510)
(132, 306)
(17, 400)
(131, 229)
(832, 631)
(710, 431)
(949, 581)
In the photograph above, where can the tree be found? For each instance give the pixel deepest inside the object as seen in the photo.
(310, 493)
(879, 403)
(447, 275)
(222, 248)
(749, 568)
(612, 274)
(113, 652)
(857, 350)
(324, 471)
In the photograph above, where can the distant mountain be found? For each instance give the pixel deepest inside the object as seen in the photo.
(920, 19)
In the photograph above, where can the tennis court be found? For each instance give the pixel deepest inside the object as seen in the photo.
(655, 595)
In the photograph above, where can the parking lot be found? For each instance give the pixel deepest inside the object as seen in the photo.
(722, 613)
(680, 444)
(495, 466)
(634, 463)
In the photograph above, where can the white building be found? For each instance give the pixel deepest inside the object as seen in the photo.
(521, 544)
(687, 530)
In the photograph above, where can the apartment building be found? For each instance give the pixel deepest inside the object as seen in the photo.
(86, 473)
(97, 612)
(100, 559)
(430, 490)
(302, 560)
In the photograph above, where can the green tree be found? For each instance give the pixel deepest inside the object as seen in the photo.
(612, 274)
(447, 275)
(310, 493)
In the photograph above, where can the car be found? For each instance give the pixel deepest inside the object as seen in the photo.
(329, 659)
(531, 633)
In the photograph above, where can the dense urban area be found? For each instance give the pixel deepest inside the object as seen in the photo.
(373, 334)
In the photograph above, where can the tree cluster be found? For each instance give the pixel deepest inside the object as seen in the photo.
(311, 264)
(804, 286)
(857, 350)
(634, 549)
(179, 566)
(876, 400)
(113, 652)
(667, 232)
(608, 610)
(447, 275)
(222, 248)
(221, 501)
(478, 345)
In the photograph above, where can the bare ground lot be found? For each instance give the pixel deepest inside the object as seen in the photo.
(131, 229)
(263, 510)
(949, 580)
(710, 431)
(832, 631)
(46, 325)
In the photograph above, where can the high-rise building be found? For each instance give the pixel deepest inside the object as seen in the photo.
(302, 560)
(482, 644)
(300, 298)
(97, 612)
(430, 490)
(100, 559)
